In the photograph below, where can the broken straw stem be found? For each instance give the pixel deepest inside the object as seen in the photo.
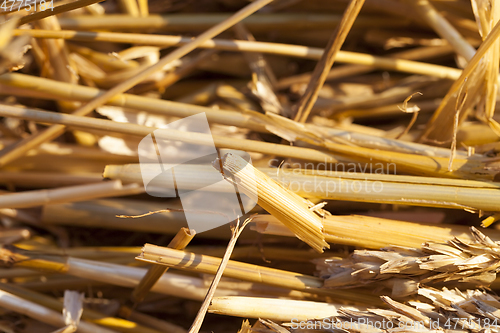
(179, 242)
(248, 272)
(286, 206)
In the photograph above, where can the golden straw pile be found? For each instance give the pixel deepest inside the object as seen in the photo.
(358, 141)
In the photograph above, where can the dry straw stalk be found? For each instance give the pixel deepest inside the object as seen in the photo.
(299, 51)
(417, 164)
(357, 230)
(43, 314)
(289, 208)
(61, 90)
(182, 286)
(92, 316)
(272, 308)
(246, 272)
(142, 131)
(68, 194)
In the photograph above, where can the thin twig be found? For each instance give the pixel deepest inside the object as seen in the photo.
(322, 68)
(195, 211)
(236, 232)
(462, 97)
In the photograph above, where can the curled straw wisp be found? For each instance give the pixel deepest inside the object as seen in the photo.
(414, 109)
